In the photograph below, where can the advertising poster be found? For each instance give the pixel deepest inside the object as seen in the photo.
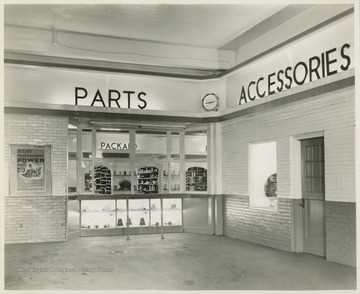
(31, 169)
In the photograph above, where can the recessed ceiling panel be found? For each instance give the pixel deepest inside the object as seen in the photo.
(206, 25)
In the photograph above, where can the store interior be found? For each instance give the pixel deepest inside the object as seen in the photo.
(172, 146)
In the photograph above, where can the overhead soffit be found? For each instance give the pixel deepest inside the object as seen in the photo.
(210, 29)
(209, 26)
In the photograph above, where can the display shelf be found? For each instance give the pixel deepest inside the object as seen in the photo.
(102, 179)
(196, 179)
(147, 180)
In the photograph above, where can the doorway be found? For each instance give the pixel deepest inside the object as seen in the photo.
(313, 196)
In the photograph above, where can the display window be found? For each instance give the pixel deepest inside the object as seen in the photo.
(139, 215)
(111, 161)
(263, 175)
(86, 144)
(196, 177)
(151, 145)
(175, 145)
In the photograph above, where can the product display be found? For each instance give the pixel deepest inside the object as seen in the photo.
(147, 178)
(108, 214)
(102, 179)
(196, 179)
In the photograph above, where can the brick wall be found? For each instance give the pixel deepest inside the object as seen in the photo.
(331, 113)
(261, 226)
(341, 232)
(35, 218)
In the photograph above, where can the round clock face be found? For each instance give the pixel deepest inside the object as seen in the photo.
(210, 102)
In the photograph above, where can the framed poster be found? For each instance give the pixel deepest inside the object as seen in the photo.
(30, 170)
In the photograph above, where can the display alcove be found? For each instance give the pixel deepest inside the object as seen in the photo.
(102, 179)
(196, 179)
(148, 180)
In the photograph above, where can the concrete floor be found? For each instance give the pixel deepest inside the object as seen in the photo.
(179, 262)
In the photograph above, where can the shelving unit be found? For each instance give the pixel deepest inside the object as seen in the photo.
(196, 179)
(102, 179)
(148, 180)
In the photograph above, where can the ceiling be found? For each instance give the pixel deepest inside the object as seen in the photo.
(209, 26)
(190, 40)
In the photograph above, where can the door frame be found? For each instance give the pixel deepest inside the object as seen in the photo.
(296, 189)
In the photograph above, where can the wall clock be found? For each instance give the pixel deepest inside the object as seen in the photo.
(210, 102)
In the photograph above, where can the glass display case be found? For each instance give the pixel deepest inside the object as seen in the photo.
(155, 209)
(99, 214)
(172, 210)
(143, 216)
(121, 213)
(139, 214)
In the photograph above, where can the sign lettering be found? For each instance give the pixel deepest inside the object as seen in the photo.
(111, 98)
(314, 68)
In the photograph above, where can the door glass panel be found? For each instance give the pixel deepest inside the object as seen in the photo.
(317, 185)
(309, 185)
(308, 153)
(317, 171)
(316, 153)
(309, 169)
